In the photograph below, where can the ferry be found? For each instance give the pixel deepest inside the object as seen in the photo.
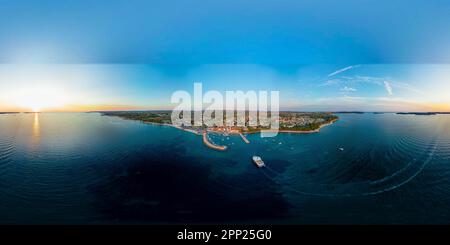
(258, 161)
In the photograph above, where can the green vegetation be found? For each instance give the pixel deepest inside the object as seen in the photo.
(160, 117)
(305, 121)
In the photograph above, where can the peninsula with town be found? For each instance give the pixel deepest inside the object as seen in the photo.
(289, 122)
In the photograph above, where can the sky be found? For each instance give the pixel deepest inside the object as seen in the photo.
(362, 87)
(321, 55)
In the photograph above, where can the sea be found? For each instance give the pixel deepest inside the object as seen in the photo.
(85, 168)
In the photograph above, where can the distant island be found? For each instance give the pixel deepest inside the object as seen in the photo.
(417, 113)
(8, 112)
(349, 112)
(422, 113)
(399, 113)
(289, 122)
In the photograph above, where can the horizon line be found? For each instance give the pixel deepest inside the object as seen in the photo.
(156, 110)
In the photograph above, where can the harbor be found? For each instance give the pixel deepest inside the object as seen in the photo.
(212, 145)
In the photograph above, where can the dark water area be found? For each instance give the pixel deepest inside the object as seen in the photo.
(84, 168)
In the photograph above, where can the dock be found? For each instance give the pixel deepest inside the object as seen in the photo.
(211, 145)
(244, 138)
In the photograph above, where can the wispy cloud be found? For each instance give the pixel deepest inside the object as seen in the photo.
(368, 79)
(388, 87)
(330, 82)
(348, 103)
(343, 70)
(386, 82)
(406, 86)
(348, 89)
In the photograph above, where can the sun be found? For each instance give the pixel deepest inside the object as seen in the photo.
(36, 109)
(38, 99)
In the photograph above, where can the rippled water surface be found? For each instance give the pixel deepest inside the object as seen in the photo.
(87, 168)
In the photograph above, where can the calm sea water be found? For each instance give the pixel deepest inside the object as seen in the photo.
(84, 168)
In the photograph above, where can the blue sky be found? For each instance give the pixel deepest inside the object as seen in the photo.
(232, 31)
(321, 55)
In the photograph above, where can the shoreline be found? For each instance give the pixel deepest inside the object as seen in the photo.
(213, 146)
(299, 131)
(311, 131)
(238, 133)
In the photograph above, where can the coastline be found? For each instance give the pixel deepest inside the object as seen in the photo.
(224, 148)
(237, 133)
(213, 146)
(171, 125)
(310, 131)
(300, 131)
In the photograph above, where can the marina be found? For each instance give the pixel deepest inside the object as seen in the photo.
(212, 145)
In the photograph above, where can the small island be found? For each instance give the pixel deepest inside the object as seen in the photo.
(427, 113)
(289, 122)
(349, 112)
(418, 113)
(8, 112)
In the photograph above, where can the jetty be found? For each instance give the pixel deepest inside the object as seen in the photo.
(244, 138)
(211, 145)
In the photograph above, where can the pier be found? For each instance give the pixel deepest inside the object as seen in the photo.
(211, 145)
(244, 138)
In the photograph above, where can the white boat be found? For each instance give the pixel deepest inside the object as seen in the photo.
(341, 149)
(258, 161)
